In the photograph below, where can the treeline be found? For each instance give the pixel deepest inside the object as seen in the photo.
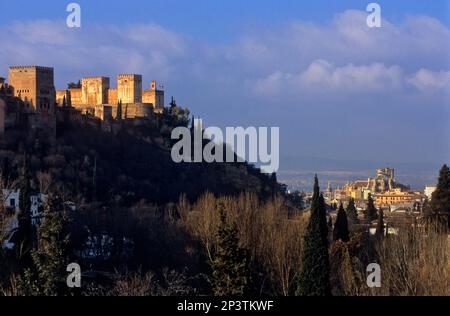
(236, 246)
(146, 226)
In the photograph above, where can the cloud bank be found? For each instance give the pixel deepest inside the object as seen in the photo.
(341, 55)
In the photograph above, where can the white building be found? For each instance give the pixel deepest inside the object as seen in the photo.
(11, 203)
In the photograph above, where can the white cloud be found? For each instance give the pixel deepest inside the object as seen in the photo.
(323, 77)
(339, 56)
(94, 50)
(430, 81)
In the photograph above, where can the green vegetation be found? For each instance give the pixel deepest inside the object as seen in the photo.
(341, 231)
(314, 277)
(230, 270)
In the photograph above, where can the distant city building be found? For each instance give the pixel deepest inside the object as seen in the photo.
(360, 189)
(384, 189)
(397, 197)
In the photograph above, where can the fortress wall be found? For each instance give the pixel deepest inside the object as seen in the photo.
(75, 97)
(112, 96)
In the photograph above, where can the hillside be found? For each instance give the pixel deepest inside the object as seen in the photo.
(123, 168)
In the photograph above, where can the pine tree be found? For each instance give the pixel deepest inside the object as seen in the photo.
(440, 201)
(47, 275)
(230, 267)
(352, 212)
(380, 224)
(314, 277)
(370, 214)
(341, 231)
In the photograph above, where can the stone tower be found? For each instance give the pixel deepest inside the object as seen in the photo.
(129, 88)
(35, 86)
(154, 96)
(94, 90)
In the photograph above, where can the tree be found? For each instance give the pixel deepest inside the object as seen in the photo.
(323, 220)
(119, 110)
(341, 231)
(47, 275)
(5, 172)
(73, 85)
(370, 214)
(24, 235)
(440, 200)
(230, 267)
(173, 103)
(380, 224)
(352, 212)
(315, 272)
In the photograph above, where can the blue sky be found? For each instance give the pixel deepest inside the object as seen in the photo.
(334, 87)
(215, 20)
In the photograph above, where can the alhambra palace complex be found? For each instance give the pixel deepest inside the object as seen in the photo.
(30, 97)
(31, 91)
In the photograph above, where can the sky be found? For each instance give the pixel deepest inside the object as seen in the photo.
(335, 87)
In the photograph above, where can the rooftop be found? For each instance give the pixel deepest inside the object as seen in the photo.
(31, 67)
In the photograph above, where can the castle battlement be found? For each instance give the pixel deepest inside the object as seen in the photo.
(34, 85)
(129, 76)
(96, 77)
(30, 67)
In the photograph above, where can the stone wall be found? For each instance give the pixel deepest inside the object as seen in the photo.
(75, 97)
(112, 96)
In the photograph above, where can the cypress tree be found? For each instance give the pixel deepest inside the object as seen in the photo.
(230, 267)
(314, 277)
(352, 212)
(24, 239)
(119, 110)
(47, 275)
(323, 220)
(380, 224)
(370, 214)
(341, 231)
(440, 200)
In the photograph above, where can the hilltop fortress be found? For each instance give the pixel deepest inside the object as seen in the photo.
(30, 91)
(96, 97)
